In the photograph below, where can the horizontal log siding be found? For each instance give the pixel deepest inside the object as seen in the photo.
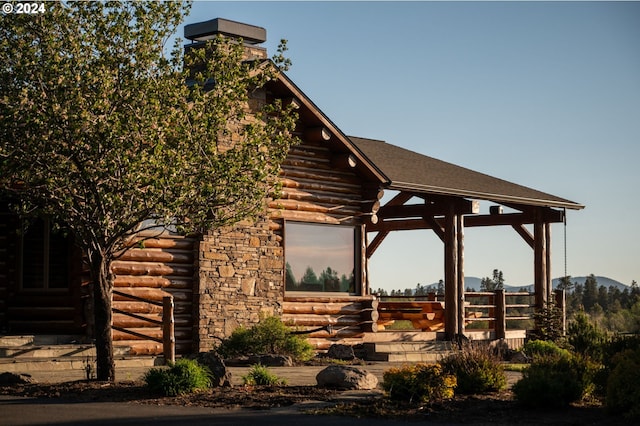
(242, 267)
(314, 190)
(156, 265)
(328, 320)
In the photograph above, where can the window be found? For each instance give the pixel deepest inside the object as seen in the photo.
(44, 255)
(320, 258)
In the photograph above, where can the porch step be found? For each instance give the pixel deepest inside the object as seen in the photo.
(430, 351)
(28, 353)
(31, 365)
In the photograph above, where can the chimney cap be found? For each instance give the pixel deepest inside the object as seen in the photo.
(207, 30)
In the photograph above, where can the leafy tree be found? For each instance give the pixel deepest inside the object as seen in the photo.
(99, 130)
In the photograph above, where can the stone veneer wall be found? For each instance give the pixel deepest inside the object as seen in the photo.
(241, 277)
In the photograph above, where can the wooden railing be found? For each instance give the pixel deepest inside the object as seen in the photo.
(490, 310)
(496, 311)
(167, 323)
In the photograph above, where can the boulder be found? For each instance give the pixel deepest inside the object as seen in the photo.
(12, 379)
(342, 352)
(220, 376)
(346, 377)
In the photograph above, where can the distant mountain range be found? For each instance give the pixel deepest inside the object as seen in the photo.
(474, 283)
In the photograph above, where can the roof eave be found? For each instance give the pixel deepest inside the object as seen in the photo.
(498, 198)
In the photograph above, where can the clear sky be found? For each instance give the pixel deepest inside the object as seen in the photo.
(544, 94)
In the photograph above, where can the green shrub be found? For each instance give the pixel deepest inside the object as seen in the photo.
(418, 383)
(476, 368)
(623, 384)
(555, 380)
(260, 375)
(536, 349)
(269, 336)
(610, 350)
(184, 376)
(585, 337)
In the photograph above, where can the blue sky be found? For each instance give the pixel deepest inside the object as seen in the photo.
(544, 94)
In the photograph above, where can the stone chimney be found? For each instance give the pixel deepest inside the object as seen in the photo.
(251, 35)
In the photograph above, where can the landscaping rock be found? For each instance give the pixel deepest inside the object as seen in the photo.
(519, 357)
(342, 352)
(12, 379)
(346, 377)
(220, 375)
(271, 360)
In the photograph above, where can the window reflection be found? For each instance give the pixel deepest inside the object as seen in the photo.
(320, 258)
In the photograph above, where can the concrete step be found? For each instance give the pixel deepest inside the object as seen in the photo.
(21, 340)
(413, 351)
(27, 366)
(16, 340)
(30, 351)
(55, 351)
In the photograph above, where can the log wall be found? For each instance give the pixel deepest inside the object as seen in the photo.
(241, 272)
(164, 264)
(329, 320)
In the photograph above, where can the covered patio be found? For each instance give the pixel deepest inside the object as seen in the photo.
(431, 194)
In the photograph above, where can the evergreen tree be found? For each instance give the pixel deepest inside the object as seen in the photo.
(492, 284)
(309, 276)
(290, 279)
(590, 296)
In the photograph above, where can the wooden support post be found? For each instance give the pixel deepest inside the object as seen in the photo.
(540, 261)
(500, 314)
(549, 280)
(460, 278)
(450, 275)
(168, 330)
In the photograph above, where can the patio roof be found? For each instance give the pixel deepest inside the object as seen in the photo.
(410, 171)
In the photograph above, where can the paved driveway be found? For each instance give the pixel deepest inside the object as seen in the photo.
(33, 411)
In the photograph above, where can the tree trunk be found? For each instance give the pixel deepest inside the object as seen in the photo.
(102, 286)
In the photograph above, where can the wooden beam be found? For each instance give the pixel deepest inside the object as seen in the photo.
(421, 210)
(399, 199)
(525, 234)
(317, 134)
(436, 227)
(373, 245)
(344, 161)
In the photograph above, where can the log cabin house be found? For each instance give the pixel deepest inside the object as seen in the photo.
(305, 260)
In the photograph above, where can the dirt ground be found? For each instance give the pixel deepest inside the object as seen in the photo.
(493, 409)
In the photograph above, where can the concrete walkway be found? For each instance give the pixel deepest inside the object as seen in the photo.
(294, 376)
